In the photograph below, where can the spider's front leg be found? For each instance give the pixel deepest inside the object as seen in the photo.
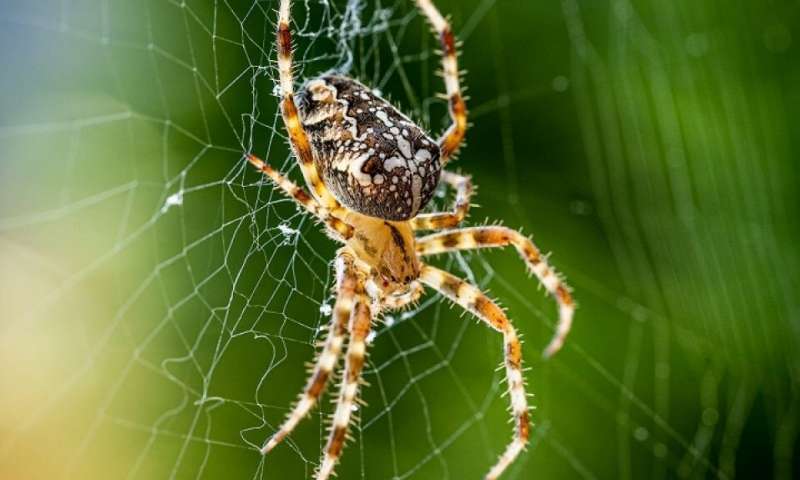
(359, 328)
(439, 220)
(474, 301)
(483, 237)
(347, 286)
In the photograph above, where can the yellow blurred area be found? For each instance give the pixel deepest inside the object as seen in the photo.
(65, 251)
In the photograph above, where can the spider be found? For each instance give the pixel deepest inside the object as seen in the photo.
(371, 171)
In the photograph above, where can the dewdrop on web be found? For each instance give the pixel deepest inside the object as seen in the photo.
(326, 309)
(288, 232)
(174, 200)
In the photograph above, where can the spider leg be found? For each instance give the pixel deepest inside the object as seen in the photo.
(396, 302)
(440, 220)
(297, 135)
(299, 195)
(454, 135)
(346, 286)
(359, 328)
(482, 237)
(474, 301)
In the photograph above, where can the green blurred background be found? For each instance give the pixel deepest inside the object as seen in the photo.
(158, 301)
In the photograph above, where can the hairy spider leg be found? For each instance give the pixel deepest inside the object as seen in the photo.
(335, 224)
(347, 282)
(475, 302)
(297, 135)
(439, 220)
(451, 140)
(402, 300)
(359, 328)
(483, 237)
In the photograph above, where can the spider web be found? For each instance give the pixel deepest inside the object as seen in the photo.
(160, 299)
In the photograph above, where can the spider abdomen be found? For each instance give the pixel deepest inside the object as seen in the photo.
(374, 159)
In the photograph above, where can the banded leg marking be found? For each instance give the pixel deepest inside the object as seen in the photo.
(302, 198)
(454, 135)
(440, 220)
(483, 237)
(360, 324)
(297, 135)
(346, 286)
(474, 301)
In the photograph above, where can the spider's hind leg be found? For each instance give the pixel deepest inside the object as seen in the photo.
(347, 285)
(474, 301)
(452, 138)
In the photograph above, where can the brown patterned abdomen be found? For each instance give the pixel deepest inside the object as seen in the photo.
(372, 157)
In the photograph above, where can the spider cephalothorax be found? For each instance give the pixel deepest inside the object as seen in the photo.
(387, 248)
(372, 157)
(371, 170)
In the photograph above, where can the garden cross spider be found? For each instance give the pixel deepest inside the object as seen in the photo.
(371, 171)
